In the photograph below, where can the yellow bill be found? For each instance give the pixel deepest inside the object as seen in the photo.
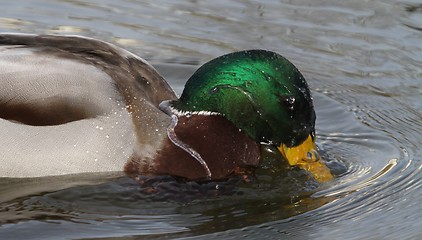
(306, 157)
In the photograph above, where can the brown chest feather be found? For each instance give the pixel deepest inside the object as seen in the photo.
(224, 148)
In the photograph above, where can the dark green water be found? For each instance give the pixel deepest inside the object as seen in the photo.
(363, 61)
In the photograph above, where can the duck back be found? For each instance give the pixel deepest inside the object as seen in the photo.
(71, 104)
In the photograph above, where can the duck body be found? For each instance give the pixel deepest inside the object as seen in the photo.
(71, 104)
(64, 107)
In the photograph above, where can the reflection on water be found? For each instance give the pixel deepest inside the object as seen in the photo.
(363, 61)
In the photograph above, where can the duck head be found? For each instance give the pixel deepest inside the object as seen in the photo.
(259, 98)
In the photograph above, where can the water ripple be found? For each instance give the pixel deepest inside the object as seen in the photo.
(361, 58)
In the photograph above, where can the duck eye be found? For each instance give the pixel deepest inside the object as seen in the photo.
(313, 135)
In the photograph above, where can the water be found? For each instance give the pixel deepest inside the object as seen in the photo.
(363, 62)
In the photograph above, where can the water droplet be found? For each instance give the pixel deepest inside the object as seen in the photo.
(291, 100)
(213, 90)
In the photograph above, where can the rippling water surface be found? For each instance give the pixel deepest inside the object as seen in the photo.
(363, 61)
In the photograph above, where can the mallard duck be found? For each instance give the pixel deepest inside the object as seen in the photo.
(71, 104)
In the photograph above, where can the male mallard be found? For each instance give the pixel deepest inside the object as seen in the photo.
(71, 104)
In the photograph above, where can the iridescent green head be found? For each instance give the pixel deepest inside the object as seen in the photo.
(259, 91)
